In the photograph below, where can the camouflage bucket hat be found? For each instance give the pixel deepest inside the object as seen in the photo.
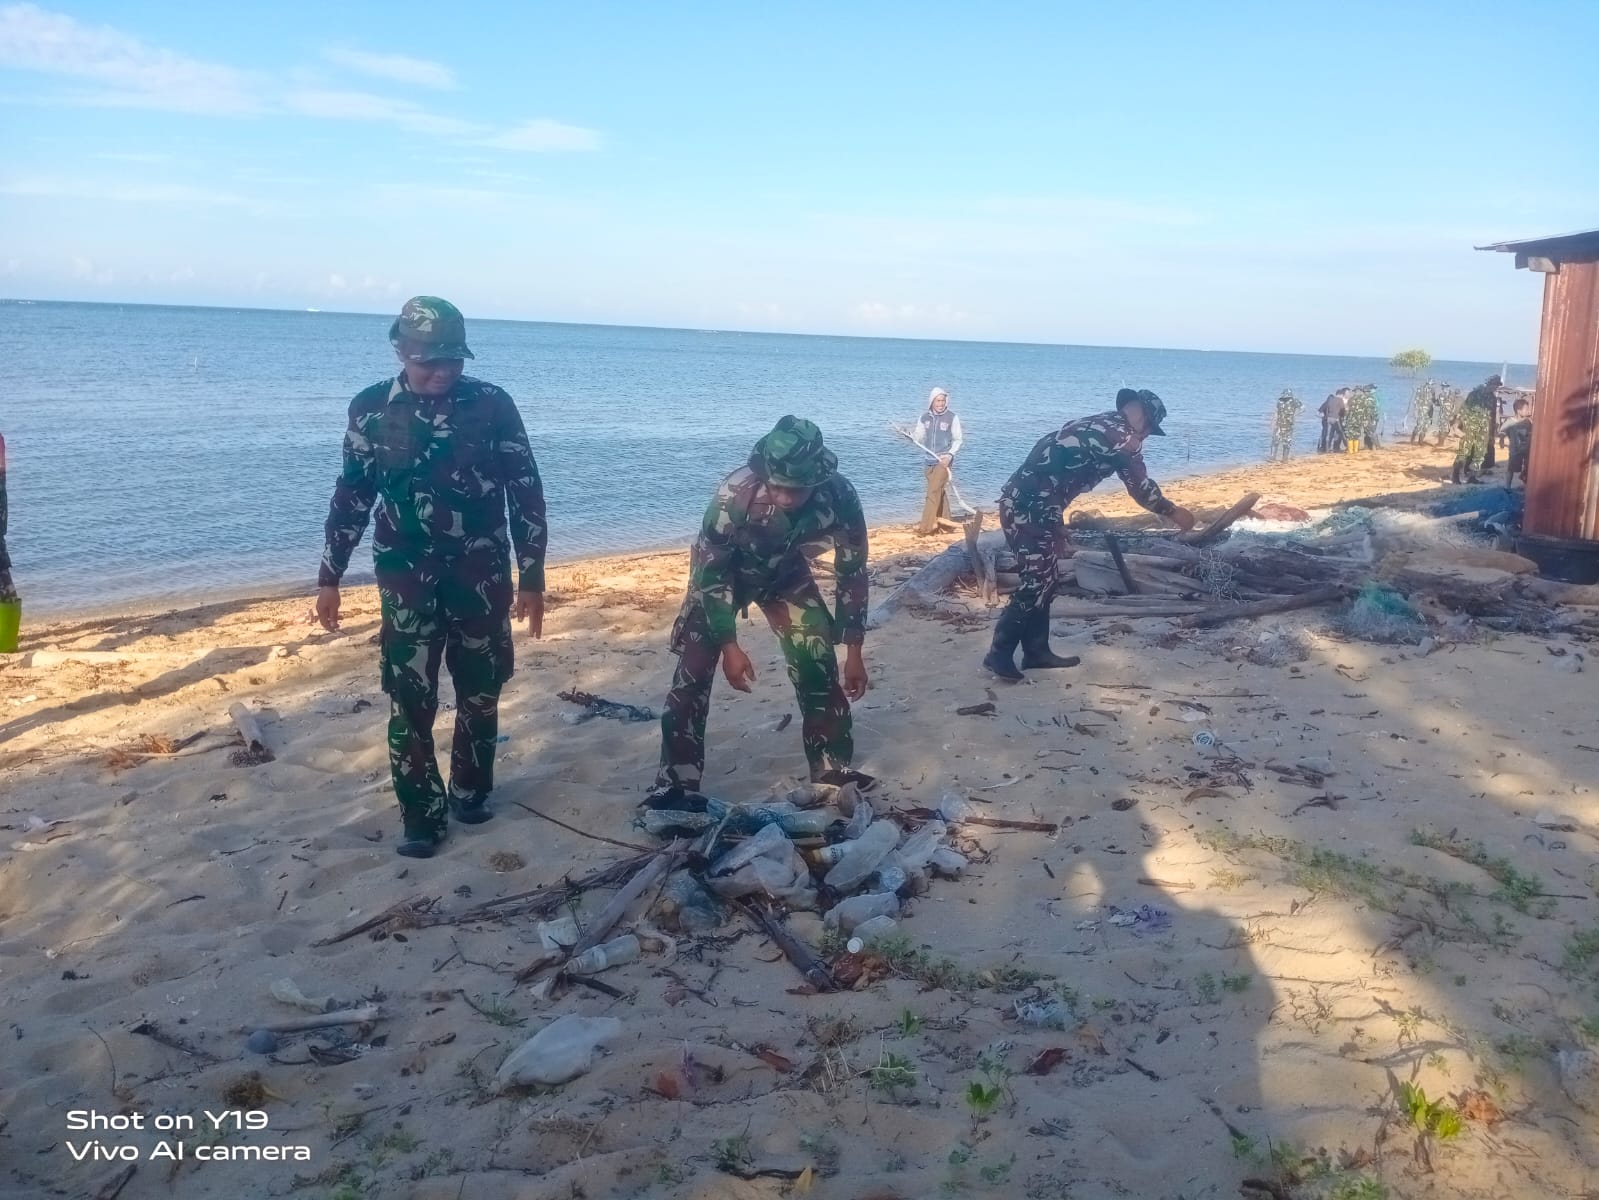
(437, 326)
(1154, 407)
(792, 455)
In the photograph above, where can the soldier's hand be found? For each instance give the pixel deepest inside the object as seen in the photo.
(737, 667)
(1183, 518)
(855, 678)
(946, 459)
(327, 608)
(530, 607)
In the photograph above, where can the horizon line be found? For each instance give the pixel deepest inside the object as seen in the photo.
(869, 337)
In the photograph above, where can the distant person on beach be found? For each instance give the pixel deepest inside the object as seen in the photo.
(1060, 468)
(8, 590)
(441, 455)
(1425, 412)
(1517, 435)
(1332, 421)
(749, 551)
(1289, 407)
(938, 431)
(1475, 420)
(1359, 419)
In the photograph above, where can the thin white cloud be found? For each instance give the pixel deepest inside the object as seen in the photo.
(134, 73)
(543, 136)
(50, 188)
(399, 68)
(876, 314)
(368, 106)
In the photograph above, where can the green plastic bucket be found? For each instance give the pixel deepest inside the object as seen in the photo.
(10, 625)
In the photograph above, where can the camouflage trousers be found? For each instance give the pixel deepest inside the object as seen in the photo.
(1036, 543)
(804, 628)
(1473, 438)
(459, 612)
(1282, 441)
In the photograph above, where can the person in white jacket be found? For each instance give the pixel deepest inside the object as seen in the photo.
(938, 431)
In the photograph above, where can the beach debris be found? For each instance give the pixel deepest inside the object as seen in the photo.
(614, 953)
(558, 1053)
(862, 857)
(286, 991)
(856, 910)
(1146, 918)
(1047, 1013)
(155, 1033)
(559, 934)
(255, 750)
(360, 1015)
(872, 930)
(262, 1041)
(1214, 529)
(596, 706)
(986, 708)
(814, 970)
(1046, 1060)
(688, 907)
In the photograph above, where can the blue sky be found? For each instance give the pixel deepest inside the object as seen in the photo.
(1296, 177)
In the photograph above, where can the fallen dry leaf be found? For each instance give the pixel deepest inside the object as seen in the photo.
(807, 1177)
(772, 1058)
(1479, 1106)
(1047, 1060)
(665, 1086)
(1201, 793)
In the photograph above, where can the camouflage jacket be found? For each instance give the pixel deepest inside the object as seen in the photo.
(748, 549)
(1484, 397)
(1064, 465)
(443, 470)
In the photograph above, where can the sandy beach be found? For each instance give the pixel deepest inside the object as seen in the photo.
(1421, 911)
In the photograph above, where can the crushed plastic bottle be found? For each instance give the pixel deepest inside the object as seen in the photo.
(947, 862)
(614, 953)
(847, 914)
(562, 1050)
(875, 929)
(1204, 739)
(955, 808)
(1045, 1014)
(917, 850)
(860, 820)
(890, 877)
(863, 856)
(559, 933)
(688, 905)
(826, 856)
(767, 842)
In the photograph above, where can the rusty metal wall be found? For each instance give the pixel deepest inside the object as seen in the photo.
(1563, 467)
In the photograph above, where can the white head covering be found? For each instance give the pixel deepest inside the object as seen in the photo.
(935, 394)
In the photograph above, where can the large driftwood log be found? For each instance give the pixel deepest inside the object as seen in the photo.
(1261, 608)
(935, 577)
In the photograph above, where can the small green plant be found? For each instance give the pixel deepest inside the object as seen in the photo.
(1515, 889)
(997, 1172)
(1357, 1187)
(1438, 1063)
(495, 1009)
(983, 1098)
(1589, 1028)
(892, 1073)
(1429, 1116)
(733, 1153)
(1205, 985)
(1582, 953)
(1225, 879)
(1237, 984)
(1244, 1147)
(1409, 1024)
(351, 1189)
(960, 1155)
(1519, 1049)
(910, 1024)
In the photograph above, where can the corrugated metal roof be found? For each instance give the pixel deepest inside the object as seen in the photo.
(1559, 247)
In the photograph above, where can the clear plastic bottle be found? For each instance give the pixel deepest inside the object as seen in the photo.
(947, 862)
(863, 856)
(890, 877)
(826, 856)
(860, 819)
(847, 914)
(768, 841)
(917, 850)
(614, 953)
(874, 929)
(955, 808)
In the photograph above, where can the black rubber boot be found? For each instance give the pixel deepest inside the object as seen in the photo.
(1001, 656)
(471, 812)
(1036, 654)
(420, 845)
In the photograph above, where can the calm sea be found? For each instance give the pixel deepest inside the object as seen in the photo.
(163, 455)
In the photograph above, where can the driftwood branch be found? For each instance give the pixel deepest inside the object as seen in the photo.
(345, 1016)
(802, 956)
(656, 870)
(250, 730)
(406, 909)
(1115, 548)
(1262, 608)
(1214, 530)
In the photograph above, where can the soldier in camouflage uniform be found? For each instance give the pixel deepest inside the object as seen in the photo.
(1061, 467)
(441, 455)
(1360, 419)
(1425, 412)
(1282, 426)
(8, 590)
(749, 551)
(1475, 422)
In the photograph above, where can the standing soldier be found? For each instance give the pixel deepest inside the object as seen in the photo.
(938, 431)
(1424, 408)
(749, 551)
(1282, 426)
(1332, 421)
(1360, 419)
(441, 455)
(10, 604)
(1474, 423)
(1060, 468)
